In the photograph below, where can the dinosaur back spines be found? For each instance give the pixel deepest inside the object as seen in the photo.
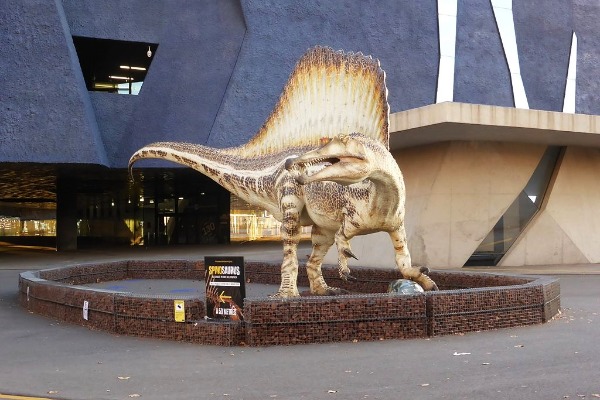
(329, 93)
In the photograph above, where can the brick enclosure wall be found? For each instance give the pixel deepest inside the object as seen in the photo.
(467, 301)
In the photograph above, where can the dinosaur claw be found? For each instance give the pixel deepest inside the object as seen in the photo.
(349, 253)
(347, 277)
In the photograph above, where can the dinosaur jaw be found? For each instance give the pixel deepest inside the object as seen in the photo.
(342, 169)
(342, 160)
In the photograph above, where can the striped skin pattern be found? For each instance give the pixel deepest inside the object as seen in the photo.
(329, 93)
(359, 189)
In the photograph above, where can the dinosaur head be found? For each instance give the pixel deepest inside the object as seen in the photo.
(343, 160)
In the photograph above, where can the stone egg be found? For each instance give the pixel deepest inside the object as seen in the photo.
(404, 286)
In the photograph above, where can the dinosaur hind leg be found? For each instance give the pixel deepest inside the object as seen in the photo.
(321, 241)
(290, 231)
(403, 261)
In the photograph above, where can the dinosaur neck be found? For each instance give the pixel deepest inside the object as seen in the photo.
(389, 189)
(250, 179)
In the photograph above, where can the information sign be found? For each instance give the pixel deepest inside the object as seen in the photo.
(225, 287)
(179, 306)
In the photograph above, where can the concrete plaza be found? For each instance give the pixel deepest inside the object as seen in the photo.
(45, 358)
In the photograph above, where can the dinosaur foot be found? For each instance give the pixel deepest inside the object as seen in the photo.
(285, 294)
(427, 283)
(421, 278)
(329, 291)
(424, 270)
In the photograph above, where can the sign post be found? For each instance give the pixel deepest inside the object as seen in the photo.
(225, 287)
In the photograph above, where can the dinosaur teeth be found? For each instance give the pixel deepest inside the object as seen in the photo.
(327, 161)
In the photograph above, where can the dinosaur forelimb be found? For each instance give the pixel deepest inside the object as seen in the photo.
(343, 246)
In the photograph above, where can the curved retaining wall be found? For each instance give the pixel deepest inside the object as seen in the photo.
(468, 301)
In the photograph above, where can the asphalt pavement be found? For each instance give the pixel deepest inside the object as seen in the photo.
(47, 358)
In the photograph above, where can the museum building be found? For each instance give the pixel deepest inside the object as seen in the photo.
(494, 120)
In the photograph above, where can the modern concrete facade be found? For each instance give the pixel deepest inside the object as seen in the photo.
(477, 89)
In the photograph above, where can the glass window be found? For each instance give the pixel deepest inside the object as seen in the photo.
(114, 66)
(518, 214)
(249, 222)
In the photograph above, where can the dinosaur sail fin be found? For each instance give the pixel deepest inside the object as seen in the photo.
(329, 93)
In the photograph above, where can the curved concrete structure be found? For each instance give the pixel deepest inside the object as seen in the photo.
(464, 164)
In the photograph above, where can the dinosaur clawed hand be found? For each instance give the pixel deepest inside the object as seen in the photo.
(349, 253)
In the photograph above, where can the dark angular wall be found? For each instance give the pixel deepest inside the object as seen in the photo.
(481, 74)
(221, 65)
(198, 45)
(402, 35)
(585, 16)
(45, 112)
(544, 31)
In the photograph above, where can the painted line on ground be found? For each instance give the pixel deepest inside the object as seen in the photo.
(15, 397)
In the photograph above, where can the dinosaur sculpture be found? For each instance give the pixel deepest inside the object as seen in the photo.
(350, 186)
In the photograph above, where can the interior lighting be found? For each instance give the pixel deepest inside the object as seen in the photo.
(125, 78)
(134, 68)
(149, 52)
(104, 85)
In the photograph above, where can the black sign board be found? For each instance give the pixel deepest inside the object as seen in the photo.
(225, 287)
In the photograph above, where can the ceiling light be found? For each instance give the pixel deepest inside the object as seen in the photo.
(134, 68)
(104, 85)
(125, 78)
(149, 52)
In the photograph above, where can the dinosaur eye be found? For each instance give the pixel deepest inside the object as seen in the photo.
(324, 140)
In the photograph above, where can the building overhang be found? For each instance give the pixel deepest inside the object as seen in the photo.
(452, 121)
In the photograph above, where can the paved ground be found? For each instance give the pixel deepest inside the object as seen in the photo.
(45, 358)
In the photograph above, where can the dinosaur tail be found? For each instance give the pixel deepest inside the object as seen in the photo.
(237, 174)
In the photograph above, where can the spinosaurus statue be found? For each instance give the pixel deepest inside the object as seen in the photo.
(350, 186)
